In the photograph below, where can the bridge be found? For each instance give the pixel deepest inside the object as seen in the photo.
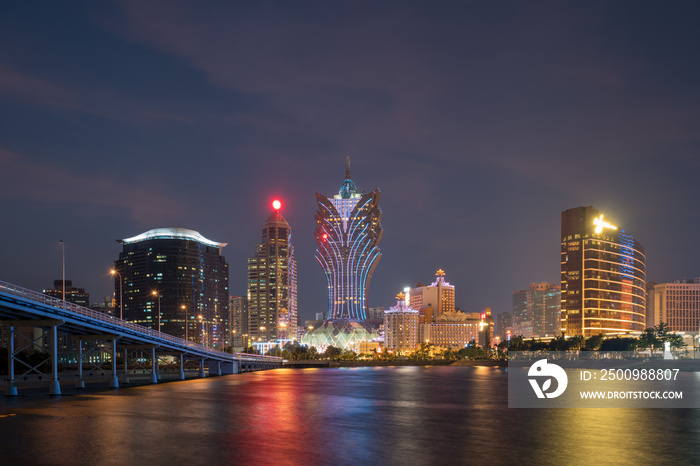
(20, 307)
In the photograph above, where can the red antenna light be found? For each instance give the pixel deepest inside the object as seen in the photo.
(276, 204)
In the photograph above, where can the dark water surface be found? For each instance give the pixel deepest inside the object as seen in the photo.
(382, 415)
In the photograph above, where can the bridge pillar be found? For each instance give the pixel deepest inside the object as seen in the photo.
(201, 368)
(154, 363)
(218, 367)
(125, 378)
(182, 367)
(80, 383)
(11, 390)
(54, 387)
(114, 382)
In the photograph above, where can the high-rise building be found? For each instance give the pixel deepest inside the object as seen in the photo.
(401, 331)
(238, 318)
(537, 310)
(440, 295)
(454, 329)
(505, 323)
(603, 275)
(348, 232)
(272, 283)
(182, 274)
(73, 295)
(676, 304)
(523, 319)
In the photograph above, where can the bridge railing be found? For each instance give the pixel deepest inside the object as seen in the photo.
(15, 290)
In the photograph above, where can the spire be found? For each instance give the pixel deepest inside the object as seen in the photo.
(347, 167)
(347, 189)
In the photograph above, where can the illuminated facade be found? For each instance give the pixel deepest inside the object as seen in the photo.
(676, 304)
(603, 276)
(238, 318)
(401, 332)
(440, 295)
(272, 283)
(73, 295)
(190, 275)
(453, 329)
(348, 232)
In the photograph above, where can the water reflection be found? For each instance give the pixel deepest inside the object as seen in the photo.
(401, 415)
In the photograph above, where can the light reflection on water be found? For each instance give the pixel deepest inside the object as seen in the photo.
(387, 415)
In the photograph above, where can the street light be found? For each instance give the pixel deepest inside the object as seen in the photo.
(184, 308)
(155, 293)
(201, 321)
(63, 248)
(121, 293)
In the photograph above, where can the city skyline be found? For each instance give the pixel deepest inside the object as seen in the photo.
(114, 127)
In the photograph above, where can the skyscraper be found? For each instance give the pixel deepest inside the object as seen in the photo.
(182, 274)
(603, 275)
(537, 310)
(272, 283)
(73, 295)
(238, 318)
(348, 232)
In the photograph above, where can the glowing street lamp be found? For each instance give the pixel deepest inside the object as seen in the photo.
(201, 321)
(121, 293)
(155, 293)
(187, 324)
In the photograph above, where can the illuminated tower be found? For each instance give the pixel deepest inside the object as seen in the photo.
(272, 283)
(603, 276)
(348, 232)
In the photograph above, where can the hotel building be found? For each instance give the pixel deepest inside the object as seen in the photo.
(401, 331)
(272, 283)
(183, 275)
(454, 329)
(440, 295)
(348, 232)
(603, 275)
(676, 304)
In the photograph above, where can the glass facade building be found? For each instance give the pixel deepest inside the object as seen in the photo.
(189, 274)
(272, 284)
(603, 275)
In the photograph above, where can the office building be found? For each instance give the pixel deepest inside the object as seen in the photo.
(272, 283)
(238, 318)
(73, 295)
(537, 310)
(505, 324)
(603, 275)
(183, 275)
(676, 304)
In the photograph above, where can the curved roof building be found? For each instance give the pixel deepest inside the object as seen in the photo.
(179, 274)
(603, 275)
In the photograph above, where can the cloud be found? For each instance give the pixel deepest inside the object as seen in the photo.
(23, 179)
(30, 89)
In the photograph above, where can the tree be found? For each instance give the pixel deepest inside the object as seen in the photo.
(593, 343)
(332, 352)
(618, 344)
(649, 340)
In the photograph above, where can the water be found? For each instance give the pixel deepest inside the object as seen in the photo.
(383, 415)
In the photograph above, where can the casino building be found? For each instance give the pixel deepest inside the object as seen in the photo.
(348, 232)
(181, 274)
(603, 275)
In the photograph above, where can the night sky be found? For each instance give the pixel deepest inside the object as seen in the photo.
(479, 121)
